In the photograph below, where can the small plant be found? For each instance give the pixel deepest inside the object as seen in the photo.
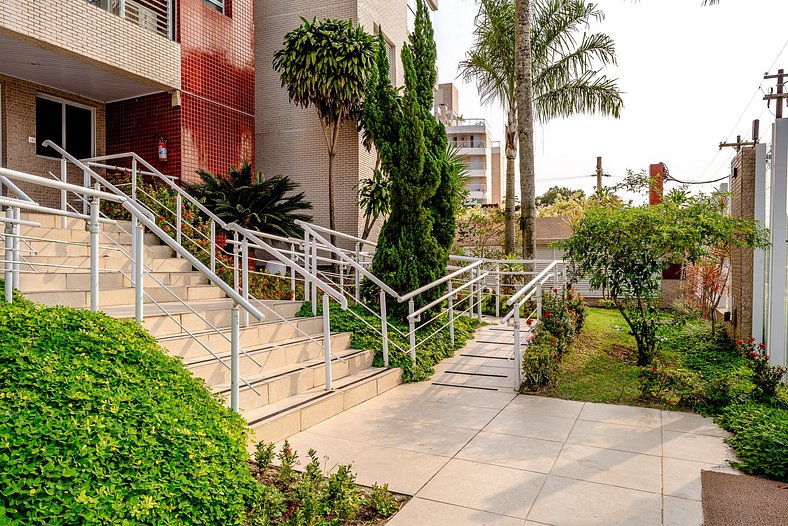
(288, 458)
(765, 377)
(540, 361)
(264, 455)
(760, 438)
(341, 496)
(674, 386)
(382, 501)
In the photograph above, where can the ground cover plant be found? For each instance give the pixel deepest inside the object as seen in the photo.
(360, 323)
(306, 495)
(692, 369)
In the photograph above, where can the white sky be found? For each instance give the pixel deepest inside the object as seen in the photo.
(687, 72)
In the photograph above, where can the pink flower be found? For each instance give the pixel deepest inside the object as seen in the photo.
(739, 342)
(762, 346)
(754, 354)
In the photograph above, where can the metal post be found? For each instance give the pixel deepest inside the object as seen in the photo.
(235, 342)
(470, 297)
(292, 272)
(245, 276)
(9, 256)
(235, 261)
(358, 275)
(17, 234)
(139, 272)
(63, 196)
(134, 220)
(314, 271)
(327, 339)
(213, 246)
(86, 184)
(412, 330)
(341, 265)
(307, 283)
(171, 19)
(178, 218)
(451, 314)
(384, 328)
(122, 8)
(497, 290)
(538, 302)
(555, 277)
(93, 228)
(518, 356)
(479, 293)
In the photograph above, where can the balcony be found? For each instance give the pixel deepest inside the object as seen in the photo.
(104, 50)
(154, 15)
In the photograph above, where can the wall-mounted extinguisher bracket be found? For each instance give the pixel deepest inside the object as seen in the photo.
(162, 149)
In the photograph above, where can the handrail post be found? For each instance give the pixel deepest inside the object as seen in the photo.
(17, 234)
(538, 302)
(451, 314)
(292, 273)
(235, 339)
(134, 220)
(93, 228)
(341, 265)
(63, 196)
(139, 269)
(314, 271)
(178, 218)
(86, 184)
(384, 328)
(213, 246)
(479, 292)
(497, 290)
(235, 261)
(518, 356)
(471, 294)
(412, 330)
(245, 276)
(327, 339)
(555, 277)
(307, 283)
(358, 276)
(9, 256)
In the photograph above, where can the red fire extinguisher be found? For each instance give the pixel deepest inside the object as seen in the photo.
(162, 149)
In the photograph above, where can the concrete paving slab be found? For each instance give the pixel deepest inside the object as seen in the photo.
(689, 446)
(622, 414)
(643, 440)
(427, 512)
(530, 454)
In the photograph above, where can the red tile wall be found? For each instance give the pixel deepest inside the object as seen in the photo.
(135, 125)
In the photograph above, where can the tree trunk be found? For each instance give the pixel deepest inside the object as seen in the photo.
(525, 127)
(511, 155)
(332, 152)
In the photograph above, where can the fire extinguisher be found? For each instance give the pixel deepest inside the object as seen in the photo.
(162, 149)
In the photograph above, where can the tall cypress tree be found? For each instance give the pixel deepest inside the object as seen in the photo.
(414, 243)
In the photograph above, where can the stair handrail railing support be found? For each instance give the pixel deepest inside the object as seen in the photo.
(518, 353)
(94, 229)
(9, 256)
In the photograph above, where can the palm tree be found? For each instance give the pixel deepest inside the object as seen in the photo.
(374, 198)
(563, 80)
(246, 198)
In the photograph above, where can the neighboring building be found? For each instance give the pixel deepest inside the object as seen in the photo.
(289, 140)
(473, 140)
(113, 76)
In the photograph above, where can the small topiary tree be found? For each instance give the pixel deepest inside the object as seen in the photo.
(623, 249)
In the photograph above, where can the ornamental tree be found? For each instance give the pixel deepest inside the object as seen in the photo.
(325, 64)
(623, 249)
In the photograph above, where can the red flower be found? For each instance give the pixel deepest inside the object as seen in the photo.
(529, 321)
(762, 346)
(765, 356)
(739, 342)
(754, 354)
(654, 369)
(752, 340)
(555, 290)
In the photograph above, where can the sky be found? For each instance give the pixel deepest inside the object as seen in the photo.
(692, 77)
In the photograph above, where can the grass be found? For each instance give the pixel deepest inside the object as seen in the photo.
(600, 367)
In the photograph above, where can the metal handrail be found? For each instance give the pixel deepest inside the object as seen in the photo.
(340, 234)
(448, 295)
(440, 281)
(15, 189)
(532, 283)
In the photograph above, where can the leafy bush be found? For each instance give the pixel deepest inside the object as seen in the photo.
(765, 377)
(760, 438)
(100, 426)
(672, 385)
(540, 361)
(428, 354)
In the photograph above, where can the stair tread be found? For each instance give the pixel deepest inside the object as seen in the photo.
(252, 325)
(316, 394)
(279, 372)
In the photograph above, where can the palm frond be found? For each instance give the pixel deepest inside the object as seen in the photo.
(591, 93)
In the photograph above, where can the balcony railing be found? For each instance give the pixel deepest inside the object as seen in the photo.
(476, 188)
(470, 144)
(155, 15)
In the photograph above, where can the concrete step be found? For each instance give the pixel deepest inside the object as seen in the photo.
(80, 234)
(114, 261)
(169, 318)
(80, 299)
(80, 280)
(296, 413)
(266, 358)
(80, 249)
(271, 330)
(278, 384)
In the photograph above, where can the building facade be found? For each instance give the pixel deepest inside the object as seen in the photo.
(289, 140)
(114, 76)
(473, 140)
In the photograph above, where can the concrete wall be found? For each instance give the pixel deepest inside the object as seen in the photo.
(289, 140)
(19, 123)
(742, 205)
(90, 34)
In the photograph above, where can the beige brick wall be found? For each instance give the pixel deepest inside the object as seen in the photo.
(288, 139)
(742, 205)
(90, 34)
(19, 122)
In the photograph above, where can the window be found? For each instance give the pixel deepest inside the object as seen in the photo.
(70, 126)
(392, 56)
(215, 4)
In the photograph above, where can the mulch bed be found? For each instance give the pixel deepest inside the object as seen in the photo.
(743, 500)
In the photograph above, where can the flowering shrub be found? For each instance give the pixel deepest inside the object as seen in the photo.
(765, 377)
(674, 386)
(540, 360)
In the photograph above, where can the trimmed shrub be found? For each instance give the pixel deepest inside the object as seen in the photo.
(760, 438)
(98, 425)
(540, 361)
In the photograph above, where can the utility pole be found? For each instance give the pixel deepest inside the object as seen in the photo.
(739, 144)
(599, 174)
(780, 95)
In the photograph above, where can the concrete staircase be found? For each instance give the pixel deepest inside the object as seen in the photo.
(282, 360)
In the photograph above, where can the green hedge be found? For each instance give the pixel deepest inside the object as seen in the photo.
(428, 354)
(760, 438)
(99, 426)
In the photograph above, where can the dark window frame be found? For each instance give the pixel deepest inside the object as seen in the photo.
(63, 143)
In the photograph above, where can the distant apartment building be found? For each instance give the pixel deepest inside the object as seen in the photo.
(473, 140)
(289, 140)
(114, 76)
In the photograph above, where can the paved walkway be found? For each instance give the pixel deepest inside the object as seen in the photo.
(481, 455)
